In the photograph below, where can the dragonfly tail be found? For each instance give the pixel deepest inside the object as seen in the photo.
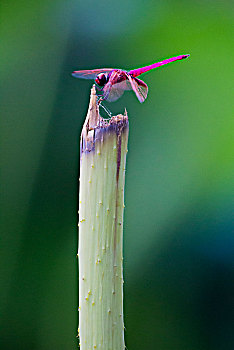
(139, 71)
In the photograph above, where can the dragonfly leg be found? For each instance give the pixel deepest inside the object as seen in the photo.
(104, 107)
(106, 110)
(100, 99)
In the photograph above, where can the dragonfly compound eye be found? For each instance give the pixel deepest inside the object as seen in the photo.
(101, 79)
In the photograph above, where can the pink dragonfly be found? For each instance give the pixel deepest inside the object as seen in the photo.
(113, 82)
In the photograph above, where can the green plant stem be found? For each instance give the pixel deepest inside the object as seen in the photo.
(102, 177)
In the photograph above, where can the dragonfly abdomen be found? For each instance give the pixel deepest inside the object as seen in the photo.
(136, 72)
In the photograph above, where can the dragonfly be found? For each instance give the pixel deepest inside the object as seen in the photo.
(113, 81)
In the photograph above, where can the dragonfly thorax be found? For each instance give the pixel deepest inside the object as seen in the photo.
(101, 79)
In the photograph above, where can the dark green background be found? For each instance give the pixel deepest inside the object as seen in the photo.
(178, 230)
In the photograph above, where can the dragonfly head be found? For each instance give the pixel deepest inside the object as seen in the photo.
(101, 79)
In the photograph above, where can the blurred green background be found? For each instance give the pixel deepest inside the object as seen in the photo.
(178, 231)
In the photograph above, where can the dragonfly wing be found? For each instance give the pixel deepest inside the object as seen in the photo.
(90, 74)
(139, 87)
(114, 94)
(116, 90)
(124, 85)
(117, 84)
(111, 93)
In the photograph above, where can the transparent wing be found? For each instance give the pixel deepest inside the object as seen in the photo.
(114, 94)
(116, 86)
(90, 74)
(139, 87)
(124, 85)
(113, 90)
